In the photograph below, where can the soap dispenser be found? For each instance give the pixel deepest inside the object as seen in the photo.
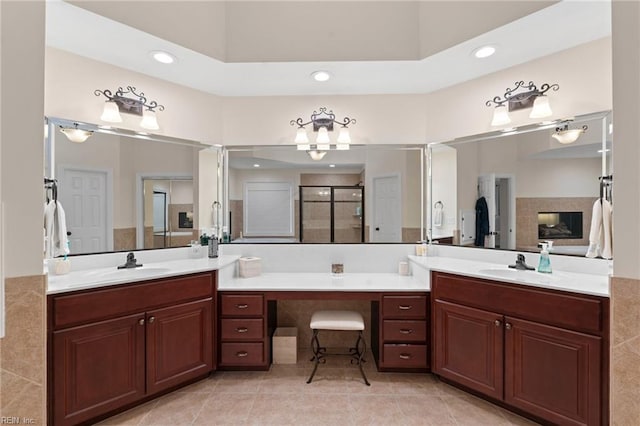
(545, 263)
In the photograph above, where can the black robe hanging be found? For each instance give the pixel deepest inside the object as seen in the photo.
(482, 221)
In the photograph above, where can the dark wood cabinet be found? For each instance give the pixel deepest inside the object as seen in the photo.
(400, 332)
(99, 367)
(552, 372)
(113, 347)
(469, 347)
(539, 351)
(178, 344)
(244, 330)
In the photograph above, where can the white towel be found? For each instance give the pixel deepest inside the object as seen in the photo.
(601, 232)
(56, 242)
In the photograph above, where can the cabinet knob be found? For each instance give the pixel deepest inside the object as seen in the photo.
(405, 356)
(242, 306)
(404, 307)
(242, 329)
(151, 319)
(141, 321)
(406, 331)
(497, 323)
(508, 326)
(242, 354)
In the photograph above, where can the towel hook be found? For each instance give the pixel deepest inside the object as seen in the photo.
(438, 203)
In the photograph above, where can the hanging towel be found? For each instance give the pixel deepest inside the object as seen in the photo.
(601, 231)
(438, 213)
(482, 221)
(55, 230)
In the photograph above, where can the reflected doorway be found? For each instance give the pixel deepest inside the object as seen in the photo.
(168, 209)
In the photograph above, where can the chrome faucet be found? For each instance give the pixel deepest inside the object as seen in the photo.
(131, 262)
(521, 264)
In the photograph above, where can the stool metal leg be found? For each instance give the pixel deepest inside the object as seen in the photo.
(360, 353)
(318, 354)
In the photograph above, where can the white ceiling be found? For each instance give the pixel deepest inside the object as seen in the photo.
(561, 26)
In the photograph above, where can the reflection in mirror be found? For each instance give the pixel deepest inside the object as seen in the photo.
(107, 184)
(366, 194)
(535, 188)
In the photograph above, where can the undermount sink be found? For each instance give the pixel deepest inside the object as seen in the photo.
(505, 273)
(129, 272)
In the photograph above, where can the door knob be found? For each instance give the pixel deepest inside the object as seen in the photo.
(377, 228)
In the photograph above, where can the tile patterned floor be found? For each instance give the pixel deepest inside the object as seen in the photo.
(337, 396)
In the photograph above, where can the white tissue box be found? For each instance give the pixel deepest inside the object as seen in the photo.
(250, 267)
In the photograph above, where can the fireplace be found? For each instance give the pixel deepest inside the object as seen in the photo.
(559, 225)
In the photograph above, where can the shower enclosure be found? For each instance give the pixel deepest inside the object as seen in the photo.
(332, 214)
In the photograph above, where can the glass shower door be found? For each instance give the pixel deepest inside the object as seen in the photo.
(347, 215)
(315, 214)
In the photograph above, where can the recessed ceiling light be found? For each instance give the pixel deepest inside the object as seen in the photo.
(332, 165)
(600, 151)
(321, 75)
(256, 165)
(163, 57)
(105, 127)
(484, 52)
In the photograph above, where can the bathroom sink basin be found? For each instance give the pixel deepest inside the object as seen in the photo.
(131, 272)
(507, 273)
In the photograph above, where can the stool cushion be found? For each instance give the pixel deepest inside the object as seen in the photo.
(337, 320)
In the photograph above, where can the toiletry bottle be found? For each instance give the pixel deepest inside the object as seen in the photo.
(424, 248)
(213, 247)
(545, 263)
(225, 235)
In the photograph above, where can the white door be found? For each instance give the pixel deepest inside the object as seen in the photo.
(83, 194)
(487, 189)
(387, 210)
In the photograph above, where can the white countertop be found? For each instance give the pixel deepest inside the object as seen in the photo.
(318, 281)
(106, 276)
(597, 285)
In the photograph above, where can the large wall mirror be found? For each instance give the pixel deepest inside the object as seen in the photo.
(370, 193)
(536, 188)
(123, 190)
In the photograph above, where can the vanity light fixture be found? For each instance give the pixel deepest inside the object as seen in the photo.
(564, 135)
(75, 134)
(137, 105)
(322, 122)
(520, 97)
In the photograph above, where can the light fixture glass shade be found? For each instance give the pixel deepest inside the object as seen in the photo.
(303, 146)
(76, 135)
(500, 116)
(323, 137)
(149, 120)
(317, 155)
(111, 113)
(301, 136)
(541, 108)
(567, 136)
(343, 136)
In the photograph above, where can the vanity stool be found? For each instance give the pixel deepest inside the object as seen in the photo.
(340, 321)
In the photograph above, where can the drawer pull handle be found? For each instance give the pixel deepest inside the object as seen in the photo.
(242, 306)
(406, 331)
(141, 321)
(242, 354)
(404, 307)
(405, 356)
(151, 319)
(497, 323)
(508, 326)
(242, 329)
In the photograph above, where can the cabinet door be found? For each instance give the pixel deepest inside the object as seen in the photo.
(179, 344)
(468, 347)
(552, 372)
(97, 367)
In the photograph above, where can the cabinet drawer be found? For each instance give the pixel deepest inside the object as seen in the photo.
(242, 329)
(404, 330)
(405, 356)
(96, 305)
(404, 306)
(241, 304)
(241, 354)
